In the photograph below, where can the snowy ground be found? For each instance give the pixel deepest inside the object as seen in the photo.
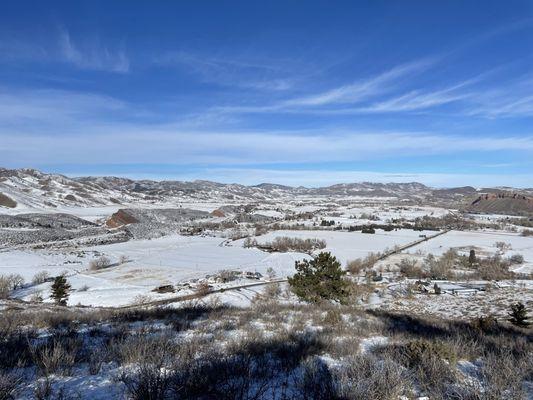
(151, 263)
(174, 259)
(348, 246)
(484, 243)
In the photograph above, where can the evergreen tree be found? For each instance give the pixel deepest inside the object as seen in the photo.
(437, 289)
(472, 257)
(321, 278)
(60, 290)
(518, 315)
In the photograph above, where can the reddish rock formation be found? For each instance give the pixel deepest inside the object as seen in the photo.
(218, 213)
(503, 203)
(120, 218)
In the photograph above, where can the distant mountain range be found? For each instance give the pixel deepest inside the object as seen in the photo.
(30, 188)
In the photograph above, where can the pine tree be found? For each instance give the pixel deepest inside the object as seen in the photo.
(472, 257)
(321, 278)
(518, 315)
(437, 289)
(60, 290)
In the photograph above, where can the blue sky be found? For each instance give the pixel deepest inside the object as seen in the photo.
(302, 93)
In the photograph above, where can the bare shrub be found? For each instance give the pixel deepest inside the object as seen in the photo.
(440, 268)
(272, 291)
(96, 360)
(516, 259)
(271, 273)
(99, 263)
(43, 389)
(146, 381)
(410, 269)
(527, 232)
(142, 348)
(227, 275)
(285, 243)
(141, 299)
(36, 297)
(5, 287)
(503, 246)
(40, 277)
(503, 376)
(360, 264)
(367, 377)
(9, 385)
(250, 242)
(317, 380)
(202, 289)
(123, 259)
(494, 268)
(16, 281)
(153, 357)
(58, 356)
(429, 361)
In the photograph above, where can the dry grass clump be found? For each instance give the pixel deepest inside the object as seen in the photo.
(527, 232)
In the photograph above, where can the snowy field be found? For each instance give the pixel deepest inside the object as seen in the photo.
(348, 246)
(173, 259)
(167, 260)
(484, 243)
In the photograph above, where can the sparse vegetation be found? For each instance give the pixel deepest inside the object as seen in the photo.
(158, 361)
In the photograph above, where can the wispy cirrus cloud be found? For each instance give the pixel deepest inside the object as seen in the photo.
(38, 127)
(512, 99)
(87, 53)
(230, 71)
(72, 126)
(92, 55)
(363, 89)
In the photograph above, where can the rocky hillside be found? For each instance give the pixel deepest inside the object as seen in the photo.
(503, 203)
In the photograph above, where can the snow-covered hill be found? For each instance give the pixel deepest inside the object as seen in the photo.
(30, 189)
